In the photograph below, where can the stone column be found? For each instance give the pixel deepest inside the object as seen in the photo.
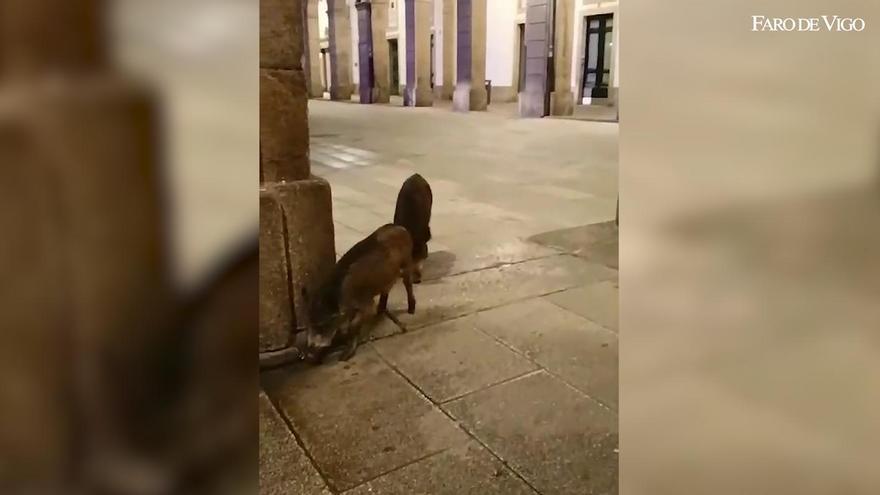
(340, 50)
(534, 100)
(365, 51)
(418, 54)
(470, 73)
(448, 49)
(312, 50)
(562, 99)
(381, 62)
(296, 223)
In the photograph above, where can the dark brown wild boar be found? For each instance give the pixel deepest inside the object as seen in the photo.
(413, 211)
(370, 268)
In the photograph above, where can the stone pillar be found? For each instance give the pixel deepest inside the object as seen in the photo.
(470, 72)
(534, 101)
(296, 222)
(448, 49)
(340, 50)
(418, 53)
(365, 51)
(312, 49)
(562, 99)
(381, 62)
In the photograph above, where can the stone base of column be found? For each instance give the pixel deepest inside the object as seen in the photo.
(561, 103)
(424, 97)
(446, 92)
(381, 95)
(342, 93)
(467, 98)
(277, 324)
(316, 89)
(301, 214)
(531, 105)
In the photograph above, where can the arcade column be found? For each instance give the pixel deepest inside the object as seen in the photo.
(470, 89)
(297, 249)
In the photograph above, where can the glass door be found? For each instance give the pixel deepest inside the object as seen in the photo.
(597, 56)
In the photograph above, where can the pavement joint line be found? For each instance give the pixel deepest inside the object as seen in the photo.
(346, 226)
(289, 424)
(405, 329)
(506, 303)
(554, 375)
(422, 326)
(493, 266)
(398, 468)
(594, 322)
(455, 421)
(492, 385)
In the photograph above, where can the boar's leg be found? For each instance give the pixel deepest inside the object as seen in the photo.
(407, 282)
(420, 254)
(417, 273)
(383, 304)
(353, 335)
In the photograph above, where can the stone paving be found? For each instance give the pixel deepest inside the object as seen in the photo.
(504, 381)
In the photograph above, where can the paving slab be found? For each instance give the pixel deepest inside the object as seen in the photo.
(470, 253)
(595, 302)
(605, 252)
(458, 295)
(380, 326)
(557, 439)
(284, 467)
(360, 419)
(581, 352)
(345, 237)
(359, 219)
(596, 242)
(451, 359)
(466, 470)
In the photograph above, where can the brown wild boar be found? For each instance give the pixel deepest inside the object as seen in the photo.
(370, 268)
(413, 211)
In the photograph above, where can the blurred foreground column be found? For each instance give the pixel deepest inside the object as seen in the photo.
(297, 248)
(84, 256)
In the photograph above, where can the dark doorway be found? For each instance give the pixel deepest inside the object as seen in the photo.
(325, 82)
(596, 61)
(521, 49)
(432, 60)
(393, 63)
(551, 61)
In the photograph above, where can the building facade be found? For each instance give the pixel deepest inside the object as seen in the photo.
(563, 51)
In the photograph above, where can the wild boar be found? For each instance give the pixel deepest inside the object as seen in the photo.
(413, 211)
(370, 268)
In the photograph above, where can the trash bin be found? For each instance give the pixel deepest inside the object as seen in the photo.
(488, 83)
